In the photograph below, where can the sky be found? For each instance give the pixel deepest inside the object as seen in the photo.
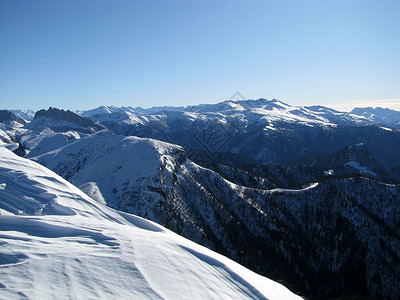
(82, 54)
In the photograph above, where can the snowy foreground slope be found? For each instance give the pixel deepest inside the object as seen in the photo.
(56, 242)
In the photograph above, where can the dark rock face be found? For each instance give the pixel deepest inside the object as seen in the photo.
(60, 120)
(6, 115)
(69, 116)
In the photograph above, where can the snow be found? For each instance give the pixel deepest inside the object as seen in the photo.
(293, 114)
(56, 242)
(356, 165)
(235, 106)
(329, 172)
(27, 115)
(4, 136)
(191, 115)
(11, 146)
(270, 127)
(92, 190)
(305, 188)
(111, 161)
(47, 141)
(387, 117)
(385, 128)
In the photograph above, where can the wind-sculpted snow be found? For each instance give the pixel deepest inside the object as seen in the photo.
(85, 250)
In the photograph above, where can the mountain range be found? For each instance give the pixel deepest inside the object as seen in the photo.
(255, 131)
(385, 116)
(304, 195)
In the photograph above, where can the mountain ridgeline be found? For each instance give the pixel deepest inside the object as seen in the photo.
(305, 195)
(257, 131)
(62, 120)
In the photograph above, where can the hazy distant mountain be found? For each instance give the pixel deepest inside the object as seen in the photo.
(61, 120)
(384, 116)
(257, 131)
(8, 116)
(11, 128)
(27, 115)
(134, 110)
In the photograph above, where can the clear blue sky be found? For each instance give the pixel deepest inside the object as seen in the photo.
(87, 53)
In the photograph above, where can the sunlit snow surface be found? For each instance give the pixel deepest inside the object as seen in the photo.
(57, 243)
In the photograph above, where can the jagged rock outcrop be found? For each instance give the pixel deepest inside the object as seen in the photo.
(7, 116)
(64, 115)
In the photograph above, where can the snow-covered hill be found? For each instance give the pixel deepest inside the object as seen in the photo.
(56, 242)
(117, 168)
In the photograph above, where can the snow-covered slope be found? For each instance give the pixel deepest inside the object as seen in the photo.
(116, 168)
(56, 242)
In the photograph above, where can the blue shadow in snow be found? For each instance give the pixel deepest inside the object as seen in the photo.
(244, 285)
(38, 228)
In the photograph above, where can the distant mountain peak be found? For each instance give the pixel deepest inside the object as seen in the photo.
(262, 103)
(385, 116)
(6, 115)
(64, 115)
